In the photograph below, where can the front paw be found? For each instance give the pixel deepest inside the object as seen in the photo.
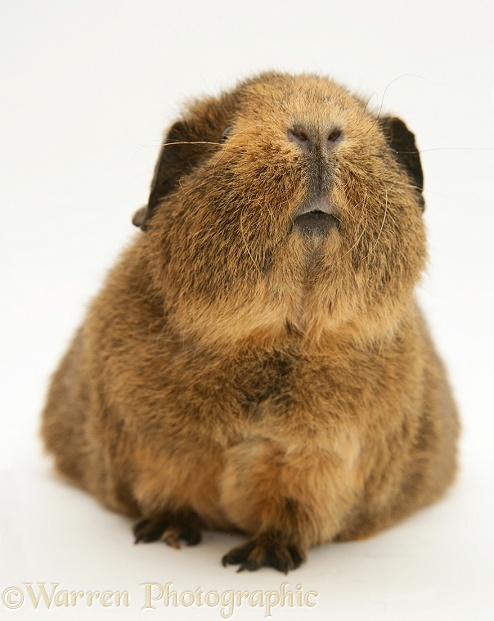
(170, 527)
(266, 550)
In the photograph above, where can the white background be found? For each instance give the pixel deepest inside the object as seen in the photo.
(86, 90)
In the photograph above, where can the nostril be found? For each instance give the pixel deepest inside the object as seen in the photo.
(299, 136)
(334, 136)
(308, 139)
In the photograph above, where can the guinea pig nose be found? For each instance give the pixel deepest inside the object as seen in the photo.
(309, 139)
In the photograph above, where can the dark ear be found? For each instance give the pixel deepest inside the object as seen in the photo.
(178, 156)
(402, 142)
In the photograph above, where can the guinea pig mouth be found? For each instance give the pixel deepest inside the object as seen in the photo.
(316, 217)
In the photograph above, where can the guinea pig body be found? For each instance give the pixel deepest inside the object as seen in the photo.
(256, 360)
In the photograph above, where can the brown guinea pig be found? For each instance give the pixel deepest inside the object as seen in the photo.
(256, 361)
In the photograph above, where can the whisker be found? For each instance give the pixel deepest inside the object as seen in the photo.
(381, 229)
(404, 75)
(384, 219)
(361, 220)
(246, 245)
(447, 149)
(182, 142)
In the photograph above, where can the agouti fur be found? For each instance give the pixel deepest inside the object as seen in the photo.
(256, 360)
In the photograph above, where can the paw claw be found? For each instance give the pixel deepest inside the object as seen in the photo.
(265, 551)
(169, 527)
(172, 541)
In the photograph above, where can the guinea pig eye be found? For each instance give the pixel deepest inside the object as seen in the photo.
(225, 133)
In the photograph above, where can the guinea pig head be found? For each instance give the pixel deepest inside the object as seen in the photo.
(285, 205)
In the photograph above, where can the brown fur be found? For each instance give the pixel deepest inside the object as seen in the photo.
(238, 373)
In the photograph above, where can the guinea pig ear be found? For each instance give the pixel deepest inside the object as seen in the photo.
(402, 142)
(177, 157)
(139, 217)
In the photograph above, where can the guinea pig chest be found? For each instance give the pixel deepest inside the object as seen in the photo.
(256, 360)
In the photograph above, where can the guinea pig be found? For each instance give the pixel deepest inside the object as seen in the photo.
(256, 362)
